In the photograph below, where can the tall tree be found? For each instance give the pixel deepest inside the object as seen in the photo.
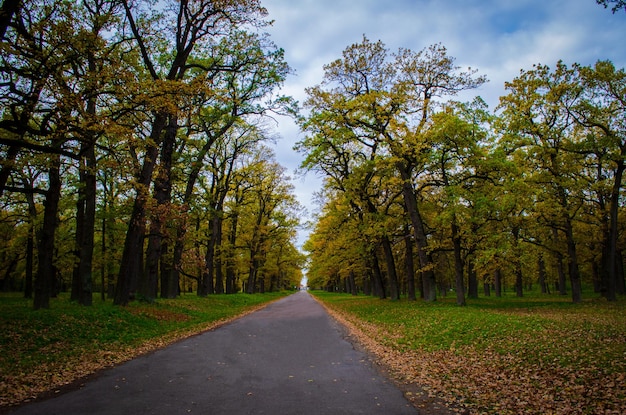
(601, 110)
(537, 111)
(272, 195)
(38, 112)
(390, 102)
(456, 168)
(245, 71)
(198, 23)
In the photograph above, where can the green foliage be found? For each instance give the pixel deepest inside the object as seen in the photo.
(539, 181)
(105, 79)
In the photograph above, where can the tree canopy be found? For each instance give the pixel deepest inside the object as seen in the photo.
(527, 193)
(126, 129)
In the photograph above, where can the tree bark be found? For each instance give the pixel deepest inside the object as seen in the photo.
(409, 266)
(574, 273)
(352, 283)
(230, 258)
(497, 282)
(458, 263)
(80, 220)
(30, 247)
(7, 10)
(132, 256)
(162, 196)
(562, 285)
(378, 283)
(541, 270)
(610, 259)
(88, 223)
(421, 241)
(219, 275)
(394, 288)
(46, 271)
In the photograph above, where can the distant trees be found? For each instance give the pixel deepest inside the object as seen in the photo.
(528, 194)
(115, 115)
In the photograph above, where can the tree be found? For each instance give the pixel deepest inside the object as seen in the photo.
(8, 9)
(616, 4)
(600, 110)
(272, 207)
(456, 168)
(38, 112)
(390, 103)
(197, 24)
(339, 249)
(246, 69)
(536, 111)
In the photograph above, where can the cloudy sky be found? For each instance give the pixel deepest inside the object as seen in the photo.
(497, 37)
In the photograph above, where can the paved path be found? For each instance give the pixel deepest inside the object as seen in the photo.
(288, 358)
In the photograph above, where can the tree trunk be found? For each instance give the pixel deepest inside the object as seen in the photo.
(230, 258)
(352, 283)
(497, 282)
(519, 278)
(378, 284)
(132, 256)
(30, 246)
(394, 289)
(541, 270)
(165, 271)
(472, 281)
(219, 275)
(561, 283)
(409, 266)
(46, 271)
(487, 289)
(88, 223)
(421, 241)
(517, 264)
(162, 196)
(170, 289)
(621, 282)
(574, 273)
(611, 257)
(367, 281)
(80, 219)
(206, 286)
(252, 274)
(458, 264)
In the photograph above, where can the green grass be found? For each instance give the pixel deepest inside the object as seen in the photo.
(48, 348)
(489, 353)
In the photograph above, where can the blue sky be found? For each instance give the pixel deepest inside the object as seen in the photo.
(497, 37)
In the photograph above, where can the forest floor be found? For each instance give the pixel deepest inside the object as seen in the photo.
(535, 355)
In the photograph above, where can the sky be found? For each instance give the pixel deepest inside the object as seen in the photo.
(497, 37)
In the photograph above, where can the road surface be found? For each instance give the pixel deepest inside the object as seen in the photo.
(287, 358)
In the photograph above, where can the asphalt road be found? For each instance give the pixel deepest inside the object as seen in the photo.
(288, 358)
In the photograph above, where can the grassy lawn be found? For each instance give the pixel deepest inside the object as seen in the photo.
(534, 355)
(44, 350)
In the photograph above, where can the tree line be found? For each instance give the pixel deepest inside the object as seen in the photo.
(426, 193)
(134, 150)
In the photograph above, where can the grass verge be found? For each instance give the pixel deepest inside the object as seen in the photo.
(531, 355)
(45, 350)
